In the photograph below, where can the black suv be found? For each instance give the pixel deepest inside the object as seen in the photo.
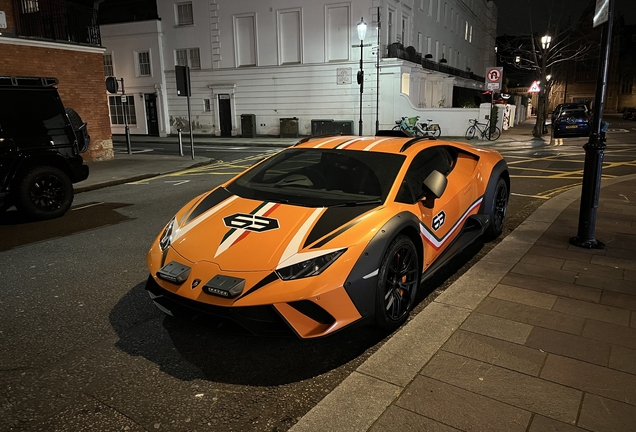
(40, 146)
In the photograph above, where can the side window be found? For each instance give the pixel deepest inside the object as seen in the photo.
(36, 119)
(439, 158)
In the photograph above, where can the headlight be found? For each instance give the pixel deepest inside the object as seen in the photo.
(311, 267)
(166, 237)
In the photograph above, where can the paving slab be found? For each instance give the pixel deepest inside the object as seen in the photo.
(620, 300)
(590, 378)
(397, 419)
(623, 359)
(524, 296)
(545, 272)
(513, 388)
(595, 311)
(495, 351)
(612, 333)
(552, 287)
(462, 409)
(544, 424)
(544, 261)
(531, 315)
(613, 261)
(564, 254)
(600, 414)
(595, 269)
(601, 282)
(569, 345)
(499, 328)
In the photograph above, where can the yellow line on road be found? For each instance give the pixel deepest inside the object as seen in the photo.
(530, 196)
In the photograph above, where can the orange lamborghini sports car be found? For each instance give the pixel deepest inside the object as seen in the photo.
(330, 232)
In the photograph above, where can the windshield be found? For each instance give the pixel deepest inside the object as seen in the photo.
(321, 177)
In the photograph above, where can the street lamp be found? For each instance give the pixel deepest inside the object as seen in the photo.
(362, 31)
(545, 41)
(518, 59)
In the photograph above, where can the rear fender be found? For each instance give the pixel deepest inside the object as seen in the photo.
(500, 170)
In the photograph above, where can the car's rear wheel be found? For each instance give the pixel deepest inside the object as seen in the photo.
(44, 192)
(497, 210)
(398, 280)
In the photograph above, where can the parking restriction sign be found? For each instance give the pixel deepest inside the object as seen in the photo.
(494, 77)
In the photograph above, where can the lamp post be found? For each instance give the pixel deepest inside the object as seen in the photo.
(362, 31)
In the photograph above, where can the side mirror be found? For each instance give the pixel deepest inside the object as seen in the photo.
(434, 186)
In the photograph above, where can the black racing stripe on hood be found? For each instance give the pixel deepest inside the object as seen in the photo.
(260, 284)
(327, 239)
(216, 197)
(335, 217)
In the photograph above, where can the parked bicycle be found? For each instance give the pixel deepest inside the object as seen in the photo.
(411, 126)
(488, 132)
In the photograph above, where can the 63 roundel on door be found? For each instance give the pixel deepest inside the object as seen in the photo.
(438, 220)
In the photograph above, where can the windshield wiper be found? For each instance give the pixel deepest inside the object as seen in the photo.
(357, 203)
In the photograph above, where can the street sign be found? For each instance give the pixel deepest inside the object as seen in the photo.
(601, 13)
(493, 86)
(123, 98)
(534, 88)
(494, 75)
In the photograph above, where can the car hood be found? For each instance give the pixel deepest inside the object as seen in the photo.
(240, 234)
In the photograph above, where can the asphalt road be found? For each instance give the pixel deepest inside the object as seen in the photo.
(84, 348)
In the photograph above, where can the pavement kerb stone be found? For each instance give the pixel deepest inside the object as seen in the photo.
(337, 411)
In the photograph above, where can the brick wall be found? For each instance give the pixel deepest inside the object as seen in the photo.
(81, 77)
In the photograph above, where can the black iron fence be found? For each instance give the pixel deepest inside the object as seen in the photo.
(397, 50)
(57, 20)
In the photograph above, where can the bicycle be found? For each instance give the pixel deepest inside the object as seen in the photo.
(487, 132)
(411, 126)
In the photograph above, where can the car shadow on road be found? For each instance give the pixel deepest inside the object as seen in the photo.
(187, 352)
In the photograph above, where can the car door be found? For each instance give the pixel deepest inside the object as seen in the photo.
(439, 217)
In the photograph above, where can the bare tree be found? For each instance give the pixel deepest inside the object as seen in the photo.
(552, 42)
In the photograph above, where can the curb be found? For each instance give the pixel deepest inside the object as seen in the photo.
(361, 399)
(121, 181)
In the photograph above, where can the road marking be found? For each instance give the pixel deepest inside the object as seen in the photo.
(87, 206)
(530, 196)
(177, 182)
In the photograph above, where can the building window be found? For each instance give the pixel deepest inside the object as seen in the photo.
(184, 14)
(245, 40)
(430, 8)
(108, 65)
(390, 27)
(143, 64)
(117, 110)
(406, 81)
(188, 57)
(29, 6)
(627, 84)
(207, 105)
(451, 19)
(428, 45)
(420, 42)
(439, 9)
(289, 36)
(421, 4)
(445, 14)
(470, 35)
(404, 30)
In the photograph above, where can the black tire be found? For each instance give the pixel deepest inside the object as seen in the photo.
(437, 132)
(496, 210)
(44, 192)
(397, 127)
(470, 132)
(395, 298)
(494, 134)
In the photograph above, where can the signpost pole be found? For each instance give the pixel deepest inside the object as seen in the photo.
(593, 166)
(124, 103)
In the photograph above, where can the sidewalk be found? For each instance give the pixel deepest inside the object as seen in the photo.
(538, 336)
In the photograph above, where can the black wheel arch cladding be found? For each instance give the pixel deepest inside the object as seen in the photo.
(362, 291)
(500, 170)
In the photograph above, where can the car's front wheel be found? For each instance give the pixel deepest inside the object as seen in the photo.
(398, 281)
(497, 210)
(44, 192)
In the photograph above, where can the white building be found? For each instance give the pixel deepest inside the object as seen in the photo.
(297, 58)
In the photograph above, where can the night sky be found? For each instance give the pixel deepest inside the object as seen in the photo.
(514, 14)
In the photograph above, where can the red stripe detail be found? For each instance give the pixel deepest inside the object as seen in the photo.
(268, 212)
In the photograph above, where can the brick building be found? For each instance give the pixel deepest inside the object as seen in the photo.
(60, 39)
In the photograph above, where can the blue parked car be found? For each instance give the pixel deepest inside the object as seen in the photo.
(574, 123)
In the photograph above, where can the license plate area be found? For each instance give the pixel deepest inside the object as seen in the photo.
(571, 127)
(224, 286)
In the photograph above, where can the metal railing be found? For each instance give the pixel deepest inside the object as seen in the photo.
(397, 50)
(57, 20)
